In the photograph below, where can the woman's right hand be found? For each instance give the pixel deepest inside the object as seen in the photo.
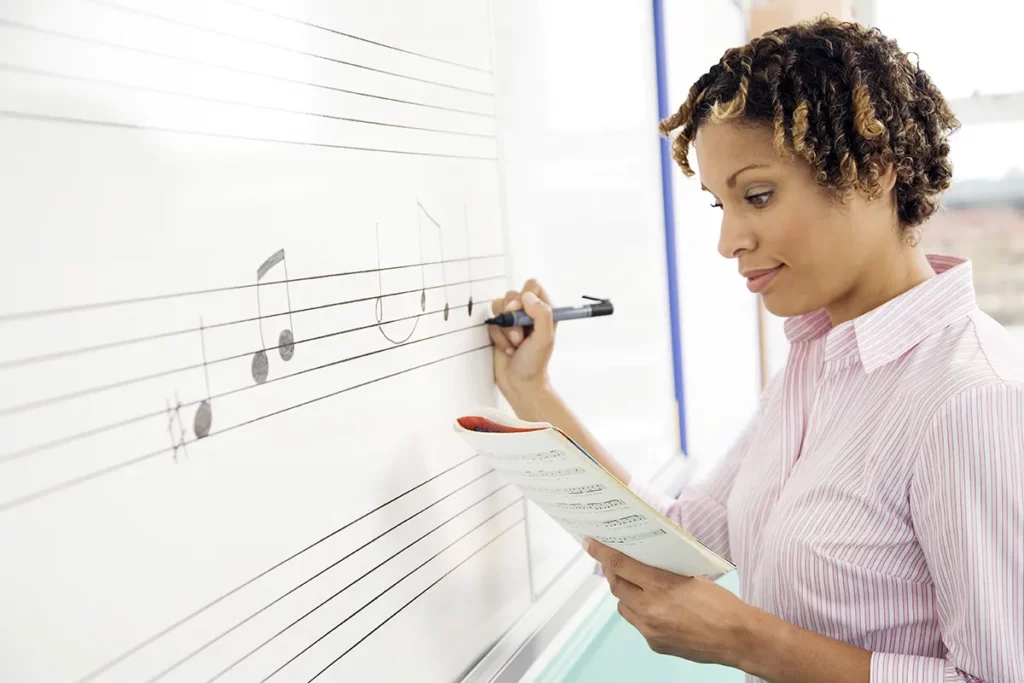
(521, 358)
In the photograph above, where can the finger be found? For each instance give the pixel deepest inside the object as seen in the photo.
(625, 591)
(509, 302)
(533, 286)
(630, 615)
(498, 305)
(543, 322)
(635, 572)
(500, 341)
(514, 334)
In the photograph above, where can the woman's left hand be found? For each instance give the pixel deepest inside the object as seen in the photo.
(689, 617)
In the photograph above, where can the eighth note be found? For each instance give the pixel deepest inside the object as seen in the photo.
(286, 340)
(440, 245)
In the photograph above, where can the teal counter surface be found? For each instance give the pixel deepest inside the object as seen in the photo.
(616, 653)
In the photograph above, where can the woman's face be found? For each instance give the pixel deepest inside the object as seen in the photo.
(797, 246)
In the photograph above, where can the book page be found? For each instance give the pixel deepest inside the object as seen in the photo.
(588, 502)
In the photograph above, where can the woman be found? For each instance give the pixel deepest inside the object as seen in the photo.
(875, 505)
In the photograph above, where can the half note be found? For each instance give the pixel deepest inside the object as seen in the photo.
(286, 339)
(379, 304)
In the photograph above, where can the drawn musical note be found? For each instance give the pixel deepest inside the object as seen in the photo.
(440, 243)
(469, 259)
(379, 306)
(174, 414)
(203, 419)
(286, 340)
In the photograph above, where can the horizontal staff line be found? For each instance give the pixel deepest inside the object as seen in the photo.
(43, 493)
(228, 288)
(348, 585)
(283, 48)
(382, 594)
(341, 391)
(422, 592)
(280, 79)
(32, 116)
(238, 103)
(354, 37)
(17, 455)
(106, 346)
(192, 615)
(82, 393)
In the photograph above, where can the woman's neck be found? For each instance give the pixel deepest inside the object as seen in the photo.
(889, 274)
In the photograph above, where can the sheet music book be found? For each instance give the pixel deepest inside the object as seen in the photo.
(581, 495)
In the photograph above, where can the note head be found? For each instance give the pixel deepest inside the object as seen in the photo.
(203, 420)
(260, 367)
(286, 344)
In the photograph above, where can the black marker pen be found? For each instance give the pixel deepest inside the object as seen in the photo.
(521, 319)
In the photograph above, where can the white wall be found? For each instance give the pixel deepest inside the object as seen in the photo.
(721, 367)
(578, 112)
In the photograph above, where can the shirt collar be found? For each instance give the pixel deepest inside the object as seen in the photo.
(889, 331)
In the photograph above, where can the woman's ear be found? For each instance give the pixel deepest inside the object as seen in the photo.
(886, 176)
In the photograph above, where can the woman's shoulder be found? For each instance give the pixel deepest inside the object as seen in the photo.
(1002, 352)
(975, 355)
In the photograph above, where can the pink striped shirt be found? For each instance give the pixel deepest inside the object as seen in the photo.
(878, 495)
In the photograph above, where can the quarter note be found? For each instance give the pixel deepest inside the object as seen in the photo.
(469, 259)
(203, 419)
(440, 244)
(286, 339)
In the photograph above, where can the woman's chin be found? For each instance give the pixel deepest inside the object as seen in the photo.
(778, 304)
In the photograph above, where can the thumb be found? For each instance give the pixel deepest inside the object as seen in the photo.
(543, 322)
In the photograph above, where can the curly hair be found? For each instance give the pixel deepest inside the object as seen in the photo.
(842, 97)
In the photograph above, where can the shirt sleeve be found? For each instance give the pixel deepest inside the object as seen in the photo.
(700, 508)
(967, 506)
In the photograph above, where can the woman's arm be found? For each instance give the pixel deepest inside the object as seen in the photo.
(520, 370)
(778, 651)
(699, 620)
(967, 506)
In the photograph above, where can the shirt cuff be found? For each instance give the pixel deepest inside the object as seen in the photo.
(888, 667)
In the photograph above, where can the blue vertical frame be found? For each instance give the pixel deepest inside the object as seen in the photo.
(670, 221)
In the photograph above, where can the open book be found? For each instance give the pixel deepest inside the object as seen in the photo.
(581, 495)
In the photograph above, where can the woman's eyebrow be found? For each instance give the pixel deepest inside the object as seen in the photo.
(731, 181)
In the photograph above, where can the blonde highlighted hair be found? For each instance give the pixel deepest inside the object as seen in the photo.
(841, 97)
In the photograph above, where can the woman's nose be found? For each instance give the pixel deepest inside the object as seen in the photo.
(734, 239)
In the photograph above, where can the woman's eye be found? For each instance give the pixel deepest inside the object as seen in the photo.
(760, 199)
(717, 205)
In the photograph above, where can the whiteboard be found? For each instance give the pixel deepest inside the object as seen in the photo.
(243, 242)
(584, 205)
(720, 339)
